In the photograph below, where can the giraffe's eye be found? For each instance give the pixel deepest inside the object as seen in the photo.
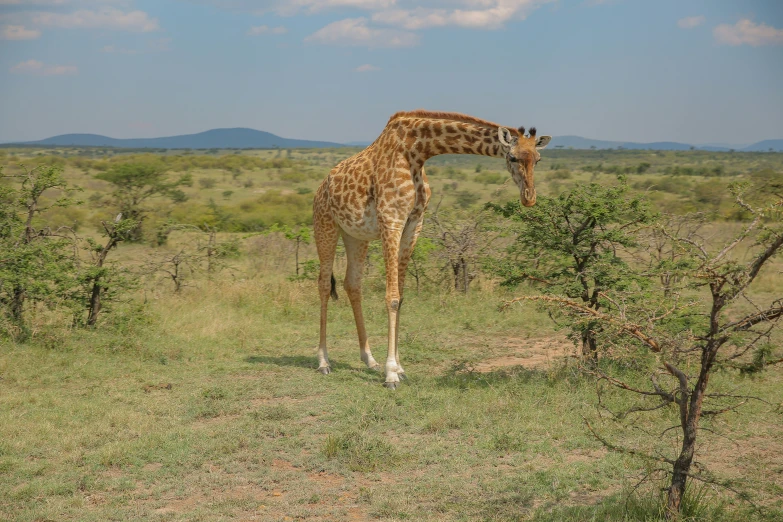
(512, 159)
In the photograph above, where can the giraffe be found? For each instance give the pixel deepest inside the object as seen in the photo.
(382, 193)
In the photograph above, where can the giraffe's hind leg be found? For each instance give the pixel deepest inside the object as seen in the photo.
(326, 234)
(356, 252)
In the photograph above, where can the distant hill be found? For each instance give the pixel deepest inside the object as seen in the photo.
(764, 146)
(240, 138)
(578, 142)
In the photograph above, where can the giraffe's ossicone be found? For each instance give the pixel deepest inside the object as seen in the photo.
(382, 193)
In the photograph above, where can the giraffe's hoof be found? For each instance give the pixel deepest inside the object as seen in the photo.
(391, 385)
(377, 367)
(325, 370)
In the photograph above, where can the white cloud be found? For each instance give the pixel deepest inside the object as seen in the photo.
(475, 14)
(746, 32)
(690, 22)
(19, 32)
(38, 68)
(418, 18)
(292, 7)
(493, 16)
(109, 18)
(355, 31)
(322, 5)
(408, 14)
(264, 29)
(367, 68)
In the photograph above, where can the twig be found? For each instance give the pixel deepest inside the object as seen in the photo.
(625, 450)
(632, 329)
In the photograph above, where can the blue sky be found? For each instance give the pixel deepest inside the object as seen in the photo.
(697, 71)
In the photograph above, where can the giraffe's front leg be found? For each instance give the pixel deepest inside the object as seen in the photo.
(400, 370)
(391, 248)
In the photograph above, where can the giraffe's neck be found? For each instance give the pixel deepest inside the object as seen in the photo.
(423, 138)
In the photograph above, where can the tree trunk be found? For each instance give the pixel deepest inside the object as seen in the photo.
(95, 295)
(589, 344)
(690, 413)
(296, 256)
(211, 252)
(465, 280)
(414, 271)
(17, 304)
(95, 304)
(136, 234)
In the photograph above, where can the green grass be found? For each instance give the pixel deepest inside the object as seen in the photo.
(209, 407)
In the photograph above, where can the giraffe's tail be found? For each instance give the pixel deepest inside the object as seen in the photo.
(334, 289)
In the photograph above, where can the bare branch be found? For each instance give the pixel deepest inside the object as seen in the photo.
(629, 451)
(732, 396)
(760, 317)
(631, 329)
(754, 267)
(684, 393)
(703, 252)
(740, 237)
(724, 410)
(620, 384)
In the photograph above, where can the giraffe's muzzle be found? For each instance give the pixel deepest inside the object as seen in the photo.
(528, 197)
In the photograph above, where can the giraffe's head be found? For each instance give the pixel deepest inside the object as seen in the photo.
(521, 154)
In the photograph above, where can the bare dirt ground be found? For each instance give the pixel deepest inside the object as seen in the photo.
(529, 353)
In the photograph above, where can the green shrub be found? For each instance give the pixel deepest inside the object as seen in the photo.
(560, 174)
(293, 176)
(490, 178)
(207, 183)
(466, 198)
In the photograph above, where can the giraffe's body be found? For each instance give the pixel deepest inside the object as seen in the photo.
(382, 193)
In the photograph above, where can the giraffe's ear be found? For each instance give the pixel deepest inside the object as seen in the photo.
(506, 138)
(543, 141)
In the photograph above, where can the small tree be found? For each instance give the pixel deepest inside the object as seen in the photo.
(571, 245)
(702, 324)
(417, 268)
(135, 184)
(463, 240)
(664, 257)
(299, 235)
(179, 266)
(36, 264)
(214, 251)
(204, 253)
(97, 277)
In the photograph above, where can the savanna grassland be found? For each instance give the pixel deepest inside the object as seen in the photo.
(205, 403)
